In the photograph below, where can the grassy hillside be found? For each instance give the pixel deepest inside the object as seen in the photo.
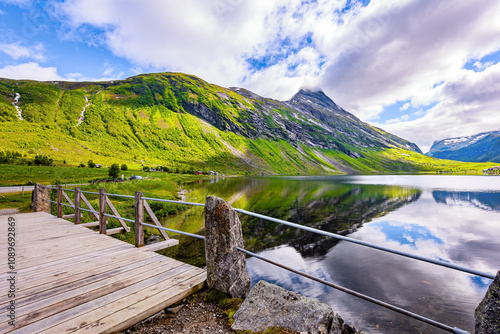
(161, 119)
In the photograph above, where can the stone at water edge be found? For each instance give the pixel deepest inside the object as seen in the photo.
(269, 305)
(488, 312)
(226, 265)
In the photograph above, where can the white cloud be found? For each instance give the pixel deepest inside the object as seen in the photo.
(405, 106)
(31, 71)
(468, 105)
(2, 12)
(34, 71)
(16, 51)
(482, 66)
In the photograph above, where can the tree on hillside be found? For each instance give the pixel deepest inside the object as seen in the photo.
(114, 170)
(124, 167)
(91, 164)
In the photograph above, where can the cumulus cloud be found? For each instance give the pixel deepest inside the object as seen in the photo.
(16, 51)
(468, 105)
(31, 71)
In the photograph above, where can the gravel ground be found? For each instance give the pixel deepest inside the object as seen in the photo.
(191, 315)
(202, 313)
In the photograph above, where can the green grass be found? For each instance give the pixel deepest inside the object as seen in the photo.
(16, 201)
(12, 175)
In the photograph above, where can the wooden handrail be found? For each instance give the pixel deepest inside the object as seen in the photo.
(140, 206)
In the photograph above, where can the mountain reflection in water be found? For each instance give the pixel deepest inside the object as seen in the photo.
(484, 201)
(410, 218)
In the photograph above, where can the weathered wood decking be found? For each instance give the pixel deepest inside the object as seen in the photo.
(71, 279)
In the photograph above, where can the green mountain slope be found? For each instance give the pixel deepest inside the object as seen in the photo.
(181, 121)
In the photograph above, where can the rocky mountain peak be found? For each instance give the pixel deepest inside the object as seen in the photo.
(314, 96)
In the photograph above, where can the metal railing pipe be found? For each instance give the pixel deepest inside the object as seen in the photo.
(367, 244)
(175, 231)
(116, 195)
(359, 295)
(126, 219)
(89, 192)
(172, 201)
(87, 210)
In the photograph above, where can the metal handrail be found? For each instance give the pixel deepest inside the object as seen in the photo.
(89, 192)
(362, 296)
(175, 231)
(116, 195)
(172, 201)
(126, 219)
(367, 244)
(91, 211)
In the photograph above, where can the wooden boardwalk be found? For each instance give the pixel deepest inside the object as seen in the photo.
(71, 279)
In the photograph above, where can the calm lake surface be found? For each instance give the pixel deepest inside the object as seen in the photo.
(450, 218)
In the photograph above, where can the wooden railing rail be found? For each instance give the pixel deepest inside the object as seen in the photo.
(102, 216)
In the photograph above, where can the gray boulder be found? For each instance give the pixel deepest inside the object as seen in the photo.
(269, 305)
(488, 312)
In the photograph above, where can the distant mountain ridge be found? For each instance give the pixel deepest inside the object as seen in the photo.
(482, 147)
(181, 121)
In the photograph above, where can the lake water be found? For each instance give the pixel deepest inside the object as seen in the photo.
(454, 219)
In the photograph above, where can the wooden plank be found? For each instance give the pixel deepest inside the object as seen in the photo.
(75, 277)
(76, 293)
(41, 261)
(40, 282)
(61, 269)
(68, 199)
(92, 224)
(161, 245)
(115, 230)
(114, 304)
(84, 199)
(155, 220)
(116, 213)
(140, 311)
(97, 303)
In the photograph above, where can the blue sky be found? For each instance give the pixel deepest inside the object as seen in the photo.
(423, 70)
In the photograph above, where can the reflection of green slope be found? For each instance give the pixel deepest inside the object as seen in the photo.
(334, 207)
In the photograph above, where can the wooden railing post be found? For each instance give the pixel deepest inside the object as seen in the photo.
(59, 201)
(139, 219)
(102, 211)
(78, 196)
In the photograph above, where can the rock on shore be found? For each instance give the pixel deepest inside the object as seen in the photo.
(269, 305)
